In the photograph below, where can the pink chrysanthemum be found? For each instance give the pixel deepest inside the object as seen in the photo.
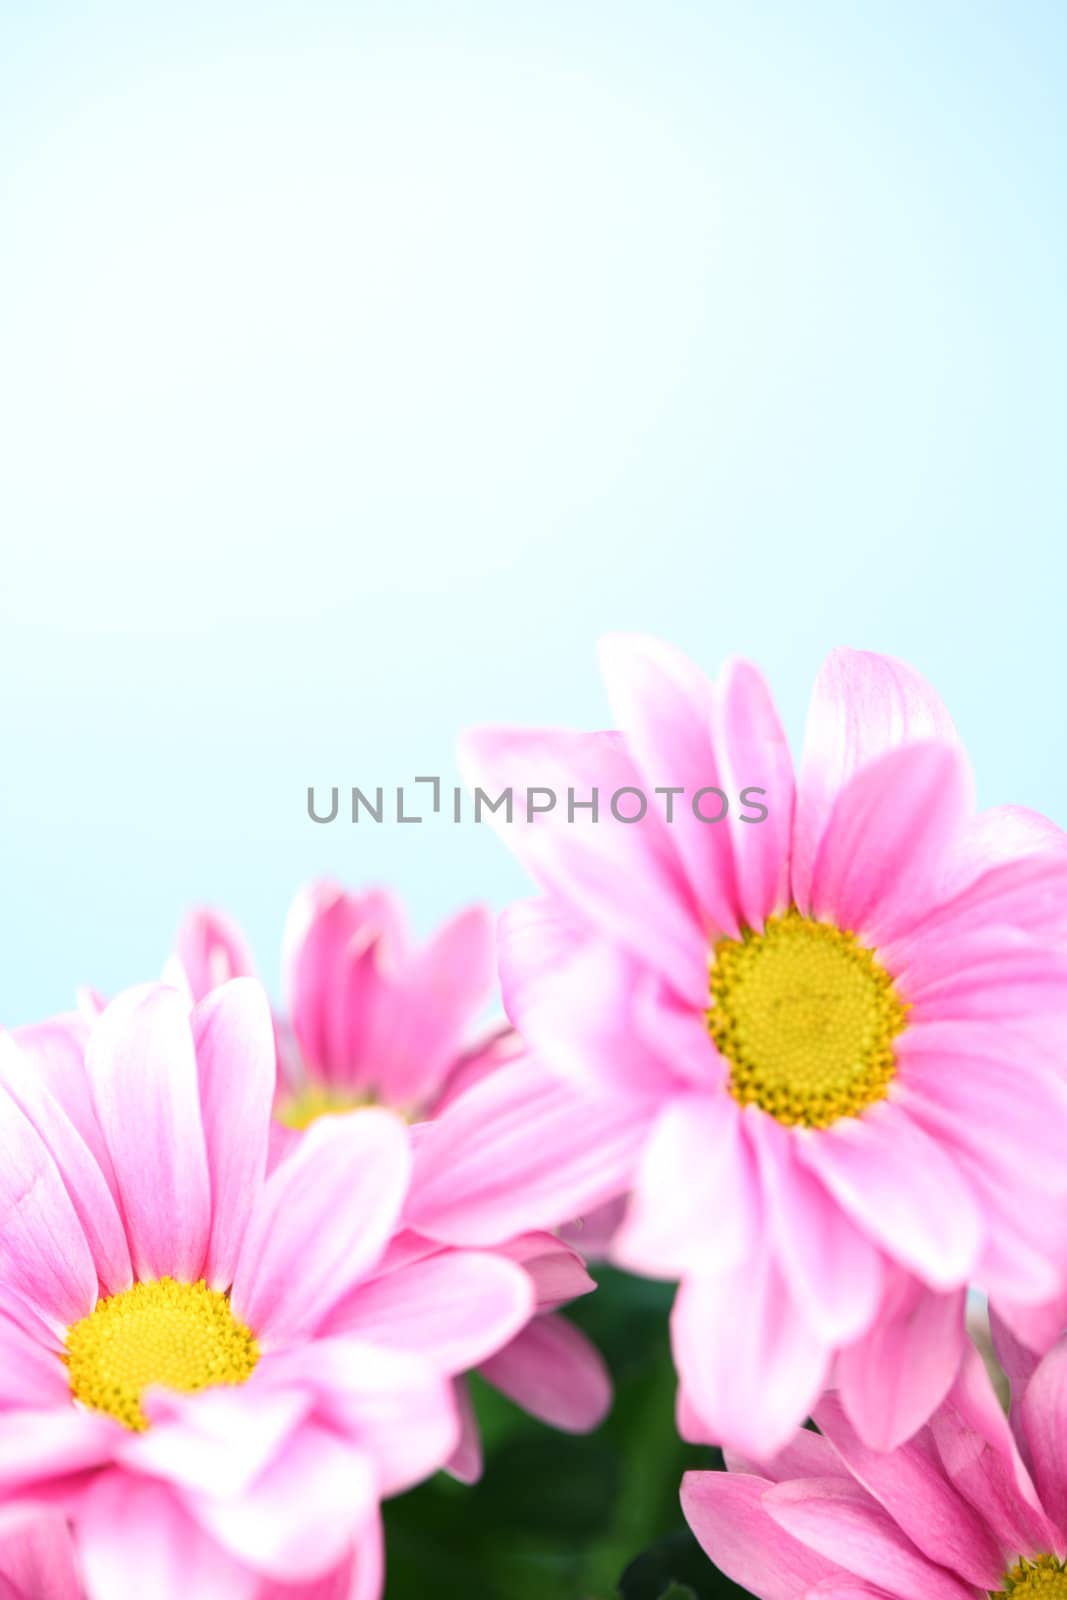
(821, 1048)
(369, 1018)
(204, 1366)
(372, 1020)
(964, 1510)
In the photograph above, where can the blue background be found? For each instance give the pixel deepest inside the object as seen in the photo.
(362, 364)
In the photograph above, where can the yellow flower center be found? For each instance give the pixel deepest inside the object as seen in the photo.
(1044, 1577)
(316, 1100)
(806, 1016)
(181, 1335)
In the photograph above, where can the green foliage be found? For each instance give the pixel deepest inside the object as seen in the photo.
(562, 1518)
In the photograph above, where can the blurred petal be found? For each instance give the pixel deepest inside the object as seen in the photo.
(210, 949)
(521, 1150)
(90, 1196)
(902, 1189)
(753, 754)
(234, 1040)
(136, 1540)
(321, 1222)
(554, 1372)
(696, 1165)
(576, 1003)
(885, 839)
(143, 1070)
(454, 1309)
(624, 878)
(465, 1462)
(1043, 1416)
(44, 1255)
(893, 1377)
(862, 706)
(303, 1513)
(751, 1376)
(665, 707)
(833, 1270)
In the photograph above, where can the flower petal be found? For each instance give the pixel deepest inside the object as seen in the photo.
(839, 1520)
(422, 1020)
(893, 1377)
(998, 835)
(338, 950)
(210, 950)
(908, 1483)
(521, 1150)
(753, 755)
(42, 1448)
(30, 1373)
(902, 1190)
(465, 1462)
(555, 1269)
(217, 1441)
(863, 705)
(90, 1196)
(554, 1372)
(57, 1050)
(44, 1255)
(886, 839)
(1022, 1334)
(750, 1378)
(136, 1539)
(665, 707)
(575, 1001)
(321, 1222)
(979, 1456)
(303, 1514)
(624, 878)
(397, 1407)
(1043, 1416)
(37, 1560)
(726, 1512)
(454, 1309)
(234, 1039)
(832, 1269)
(696, 1204)
(142, 1066)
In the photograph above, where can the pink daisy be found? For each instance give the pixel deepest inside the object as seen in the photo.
(963, 1510)
(370, 1017)
(373, 1020)
(201, 1368)
(821, 1048)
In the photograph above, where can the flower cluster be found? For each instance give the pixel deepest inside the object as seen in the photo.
(813, 1071)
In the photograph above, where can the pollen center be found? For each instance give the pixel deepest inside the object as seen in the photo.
(181, 1335)
(806, 1016)
(315, 1100)
(1042, 1577)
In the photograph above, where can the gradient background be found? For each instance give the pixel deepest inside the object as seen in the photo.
(359, 365)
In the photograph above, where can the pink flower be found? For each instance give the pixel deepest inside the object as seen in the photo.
(821, 1048)
(963, 1510)
(198, 1368)
(372, 1020)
